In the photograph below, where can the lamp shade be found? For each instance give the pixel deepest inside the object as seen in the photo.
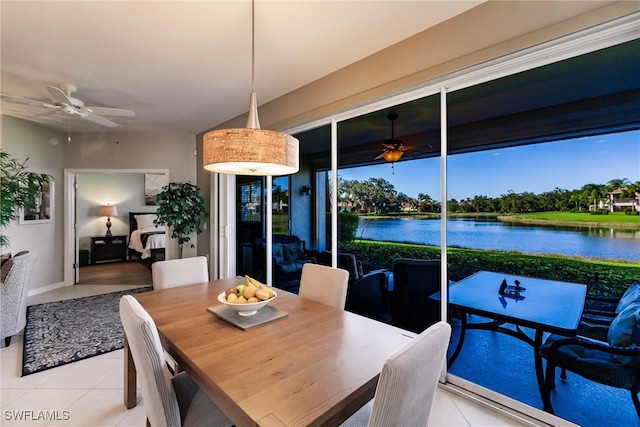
(246, 151)
(108, 210)
(392, 155)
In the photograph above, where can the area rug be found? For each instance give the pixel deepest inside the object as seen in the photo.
(66, 331)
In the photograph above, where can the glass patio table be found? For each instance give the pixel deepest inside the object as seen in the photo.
(546, 306)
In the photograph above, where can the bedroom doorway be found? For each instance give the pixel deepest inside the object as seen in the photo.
(86, 191)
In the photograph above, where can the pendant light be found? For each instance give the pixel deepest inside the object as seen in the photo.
(250, 150)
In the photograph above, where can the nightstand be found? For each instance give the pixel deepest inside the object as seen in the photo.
(108, 248)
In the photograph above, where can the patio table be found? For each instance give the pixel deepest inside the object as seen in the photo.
(546, 306)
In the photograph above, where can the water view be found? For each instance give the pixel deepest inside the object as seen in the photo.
(587, 242)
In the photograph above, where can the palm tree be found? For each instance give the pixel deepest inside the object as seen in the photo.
(614, 184)
(595, 192)
(631, 191)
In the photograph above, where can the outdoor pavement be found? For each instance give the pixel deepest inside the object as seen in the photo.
(505, 364)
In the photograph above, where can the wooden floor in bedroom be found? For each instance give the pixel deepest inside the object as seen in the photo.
(117, 273)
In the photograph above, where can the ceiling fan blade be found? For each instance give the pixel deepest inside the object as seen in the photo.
(20, 100)
(97, 119)
(59, 96)
(49, 112)
(106, 111)
(378, 157)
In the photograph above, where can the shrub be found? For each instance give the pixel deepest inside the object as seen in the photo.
(181, 207)
(614, 277)
(347, 226)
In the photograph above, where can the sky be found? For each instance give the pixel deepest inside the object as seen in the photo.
(535, 168)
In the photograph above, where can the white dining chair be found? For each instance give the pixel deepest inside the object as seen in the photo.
(324, 284)
(407, 385)
(179, 272)
(168, 401)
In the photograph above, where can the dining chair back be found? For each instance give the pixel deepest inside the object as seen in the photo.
(169, 401)
(408, 381)
(324, 284)
(179, 272)
(414, 281)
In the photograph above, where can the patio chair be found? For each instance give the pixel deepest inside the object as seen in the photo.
(601, 310)
(367, 292)
(614, 362)
(408, 381)
(414, 281)
(324, 284)
(179, 272)
(169, 401)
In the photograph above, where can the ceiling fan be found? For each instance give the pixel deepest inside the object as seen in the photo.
(393, 148)
(63, 103)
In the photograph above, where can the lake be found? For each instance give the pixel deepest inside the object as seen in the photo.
(587, 242)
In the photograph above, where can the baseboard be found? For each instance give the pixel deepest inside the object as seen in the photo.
(44, 289)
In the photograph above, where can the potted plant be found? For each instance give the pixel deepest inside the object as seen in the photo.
(181, 207)
(17, 188)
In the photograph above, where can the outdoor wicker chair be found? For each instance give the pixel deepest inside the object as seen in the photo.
(614, 362)
(415, 280)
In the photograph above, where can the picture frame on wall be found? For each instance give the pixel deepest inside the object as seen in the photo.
(153, 183)
(40, 209)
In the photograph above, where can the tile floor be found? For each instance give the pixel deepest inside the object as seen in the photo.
(89, 392)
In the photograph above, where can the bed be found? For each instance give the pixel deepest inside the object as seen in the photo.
(146, 241)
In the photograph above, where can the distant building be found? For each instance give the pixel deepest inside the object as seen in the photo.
(346, 207)
(617, 203)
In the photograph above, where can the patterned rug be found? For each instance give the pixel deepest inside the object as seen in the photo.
(62, 332)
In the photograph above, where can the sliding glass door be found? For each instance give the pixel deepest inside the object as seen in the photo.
(557, 132)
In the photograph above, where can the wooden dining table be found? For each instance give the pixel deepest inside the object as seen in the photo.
(316, 366)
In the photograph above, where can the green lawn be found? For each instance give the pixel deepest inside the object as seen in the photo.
(580, 217)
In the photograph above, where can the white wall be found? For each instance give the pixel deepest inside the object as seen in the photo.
(128, 152)
(23, 139)
(125, 152)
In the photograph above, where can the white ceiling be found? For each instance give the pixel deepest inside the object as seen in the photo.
(186, 66)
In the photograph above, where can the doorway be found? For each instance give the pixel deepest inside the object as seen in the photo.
(250, 220)
(86, 191)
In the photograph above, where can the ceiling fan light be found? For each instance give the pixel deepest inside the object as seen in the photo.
(392, 155)
(244, 151)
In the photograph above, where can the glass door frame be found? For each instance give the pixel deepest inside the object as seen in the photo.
(589, 40)
(592, 39)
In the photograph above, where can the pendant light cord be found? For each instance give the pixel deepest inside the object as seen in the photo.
(252, 121)
(253, 46)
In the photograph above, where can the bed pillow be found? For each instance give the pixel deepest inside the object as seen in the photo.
(145, 221)
(631, 295)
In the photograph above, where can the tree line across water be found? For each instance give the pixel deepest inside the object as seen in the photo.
(379, 196)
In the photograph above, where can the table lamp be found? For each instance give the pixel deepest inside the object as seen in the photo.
(108, 211)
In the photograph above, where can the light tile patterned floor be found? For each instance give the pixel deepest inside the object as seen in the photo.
(89, 392)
